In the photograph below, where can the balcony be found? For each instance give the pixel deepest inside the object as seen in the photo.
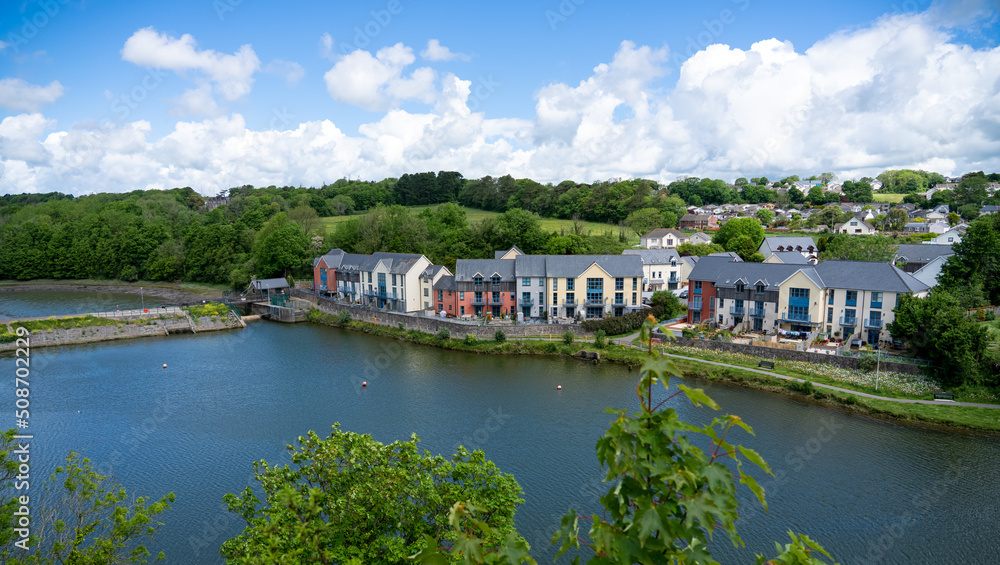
(737, 311)
(569, 302)
(594, 302)
(526, 302)
(481, 301)
(873, 324)
(877, 305)
(853, 302)
(621, 302)
(378, 294)
(796, 318)
(757, 312)
(848, 321)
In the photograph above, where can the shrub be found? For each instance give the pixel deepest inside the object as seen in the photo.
(867, 362)
(568, 337)
(600, 339)
(805, 387)
(620, 325)
(688, 332)
(400, 325)
(551, 347)
(499, 337)
(990, 316)
(470, 339)
(343, 317)
(443, 334)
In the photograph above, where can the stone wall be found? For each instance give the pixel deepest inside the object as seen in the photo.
(793, 355)
(128, 330)
(433, 325)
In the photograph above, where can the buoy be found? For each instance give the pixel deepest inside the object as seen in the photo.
(364, 383)
(164, 365)
(559, 387)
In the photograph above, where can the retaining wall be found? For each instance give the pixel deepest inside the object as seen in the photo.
(129, 330)
(793, 355)
(433, 325)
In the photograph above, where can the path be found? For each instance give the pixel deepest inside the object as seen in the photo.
(627, 342)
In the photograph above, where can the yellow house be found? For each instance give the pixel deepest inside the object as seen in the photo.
(575, 286)
(800, 301)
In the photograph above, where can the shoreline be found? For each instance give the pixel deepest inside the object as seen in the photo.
(169, 292)
(692, 368)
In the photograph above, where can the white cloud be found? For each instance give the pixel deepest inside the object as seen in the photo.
(291, 71)
(3, 45)
(326, 46)
(195, 102)
(437, 52)
(231, 75)
(377, 82)
(17, 94)
(899, 93)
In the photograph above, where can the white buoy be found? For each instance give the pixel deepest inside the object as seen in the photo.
(164, 365)
(559, 387)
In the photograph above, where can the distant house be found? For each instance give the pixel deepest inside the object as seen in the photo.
(926, 227)
(789, 258)
(508, 254)
(854, 227)
(662, 269)
(699, 238)
(663, 238)
(269, 287)
(989, 209)
(698, 222)
(805, 246)
(917, 255)
(949, 237)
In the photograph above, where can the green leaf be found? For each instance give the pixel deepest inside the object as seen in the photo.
(755, 458)
(698, 397)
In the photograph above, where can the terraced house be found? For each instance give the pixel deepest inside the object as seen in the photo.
(383, 280)
(846, 299)
(482, 286)
(662, 269)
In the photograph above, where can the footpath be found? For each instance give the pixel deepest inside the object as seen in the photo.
(627, 342)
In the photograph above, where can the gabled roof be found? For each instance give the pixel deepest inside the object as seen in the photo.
(655, 256)
(446, 282)
(500, 254)
(923, 252)
(266, 284)
(790, 257)
(786, 243)
(467, 269)
(433, 270)
(868, 275)
(661, 232)
(572, 266)
(725, 273)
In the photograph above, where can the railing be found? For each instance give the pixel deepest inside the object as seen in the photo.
(526, 302)
(852, 302)
(622, 302)
(569, 302)
(873, 324)
(848, 322)
(757, 312)
(737, 311)
(479, 301)
(876, 304)
(590, 302)
(796, 318)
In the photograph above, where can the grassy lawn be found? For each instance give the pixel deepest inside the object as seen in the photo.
(475, 215)
(892, 198)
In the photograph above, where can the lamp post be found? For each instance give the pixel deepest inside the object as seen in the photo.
(141, 299)
(878, 364)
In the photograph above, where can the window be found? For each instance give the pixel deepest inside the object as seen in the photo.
(696, 316)
(740, 287)
(496, 297)
(541, 281)
(876, 300)
(829, 315)
(393, 280)
(832, 293)
(541, 298)
(570, 284)
(462, 309)
(633, 299)
(595, 284)
(369, 277)
(426, 291)
(555, 284)
(722, 302)
(799, 293)
(850, 315)
(798, 313)
(526, 297)
(619, 283)
(619, 298)
(526, 281)
(440, 295)
(495, 279)
(760, 288)
(570, 297)
(512, 296)
(635, 283)
(696, 303)
(555, 298)
(477, 280)
(852, 298)
(478, 297)
(461, 295)
(697, 287)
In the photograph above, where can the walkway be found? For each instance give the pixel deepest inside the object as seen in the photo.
(627, 342)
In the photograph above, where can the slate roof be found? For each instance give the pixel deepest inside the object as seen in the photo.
(726, 273)
(658, 233)
(868, 275)
(923, 252)
(655, 256)
(572, 266)
(771, 244)
(432, 271)
(398, 263)
(502, 252)
(466, 269)
(266, 284)
(530, 266)
(791, 258)
(446, 282)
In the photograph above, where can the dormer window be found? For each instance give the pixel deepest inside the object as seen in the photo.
(760, 288)
(477, 280)
(740, 287)
(495, 279)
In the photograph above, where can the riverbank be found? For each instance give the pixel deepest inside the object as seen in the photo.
(944, 416)
(168, 293)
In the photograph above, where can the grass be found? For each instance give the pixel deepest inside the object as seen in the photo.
(65, 323)
(474, 215)
(993, 333)
(210, 309)
(892, 198)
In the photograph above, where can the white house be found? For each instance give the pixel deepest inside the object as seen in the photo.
(663, 238)
(854, 226)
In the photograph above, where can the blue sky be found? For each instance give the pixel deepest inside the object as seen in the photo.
(114, 96)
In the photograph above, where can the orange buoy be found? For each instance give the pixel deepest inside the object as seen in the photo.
(364, 383)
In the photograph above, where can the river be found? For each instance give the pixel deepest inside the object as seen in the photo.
(868, 490)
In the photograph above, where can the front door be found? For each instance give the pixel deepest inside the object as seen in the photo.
(758, 324)
(873, 336)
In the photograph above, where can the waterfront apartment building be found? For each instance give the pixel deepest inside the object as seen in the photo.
(483, 286)
(662, 269)
(844, 299)
(383, 280)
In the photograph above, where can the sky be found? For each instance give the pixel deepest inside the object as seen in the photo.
(105, 96)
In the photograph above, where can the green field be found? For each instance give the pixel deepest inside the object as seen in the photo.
(891, 198)
(475, 215)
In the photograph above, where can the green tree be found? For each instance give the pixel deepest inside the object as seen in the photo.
(939, 331)
(897, 219)
(672, 486)
(82, 517)
(644, 220)
(844, 247)
(742, 235)
(699, 249)
(349, 497)
(765, 216)
(669, 302)
(969, 212)
(954, 219)
(816, 195)
(282, 251)
(976, 260)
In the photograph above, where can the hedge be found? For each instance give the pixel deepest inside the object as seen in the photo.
(621, 325)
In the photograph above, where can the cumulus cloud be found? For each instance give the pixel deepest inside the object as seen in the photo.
(437, 52)
(18, 94)
(291, 71)
(898, 93)
(231, 75)
(195, 102)
(376, 82)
